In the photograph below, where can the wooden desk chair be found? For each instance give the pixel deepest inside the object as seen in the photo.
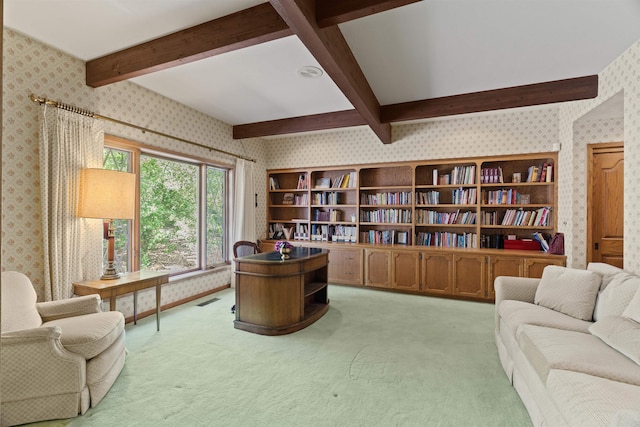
(243, 248)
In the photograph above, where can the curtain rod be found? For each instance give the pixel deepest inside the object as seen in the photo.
(143, 129)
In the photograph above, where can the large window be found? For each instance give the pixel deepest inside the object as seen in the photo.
(181, 222)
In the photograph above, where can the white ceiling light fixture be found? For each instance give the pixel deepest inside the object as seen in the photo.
(309, 72)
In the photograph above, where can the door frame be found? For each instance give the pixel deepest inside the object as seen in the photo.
(592, 149)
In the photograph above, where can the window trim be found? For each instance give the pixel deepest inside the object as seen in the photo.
(137, 149)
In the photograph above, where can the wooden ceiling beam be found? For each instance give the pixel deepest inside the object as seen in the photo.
(573, 89)
(332, 52)
(334, 12)
(246, 28)
(324, 121)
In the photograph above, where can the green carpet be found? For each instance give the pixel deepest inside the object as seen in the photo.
(375, 359)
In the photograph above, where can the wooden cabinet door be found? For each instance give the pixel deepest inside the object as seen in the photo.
(437, 273)
(533, 266)
(500, 265)
(469, 275)
(345, 265)
(405, 268)
(378, 268)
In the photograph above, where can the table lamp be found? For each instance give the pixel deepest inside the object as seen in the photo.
(107, 195)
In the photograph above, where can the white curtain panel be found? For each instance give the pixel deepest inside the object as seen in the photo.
(72, 246)
(244, 217)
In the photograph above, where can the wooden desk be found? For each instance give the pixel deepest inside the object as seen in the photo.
(277, 297)
(130, 282)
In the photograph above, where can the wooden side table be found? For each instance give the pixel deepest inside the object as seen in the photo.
(130, 282)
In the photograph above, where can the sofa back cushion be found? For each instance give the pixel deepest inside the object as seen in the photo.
(606, 271)
(615, 297)
(620, 333)
(569, 291)
(633, 309)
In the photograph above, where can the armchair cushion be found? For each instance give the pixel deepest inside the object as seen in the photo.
(52, 310)
(90, 334)
(18, 292)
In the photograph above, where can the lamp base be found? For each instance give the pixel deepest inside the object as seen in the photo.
(110, 273)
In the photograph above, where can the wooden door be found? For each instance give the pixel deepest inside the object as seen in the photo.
(500, 265)
(406, 270)
(437, 273)
(469, 275)
(378, 268)
(605, 204)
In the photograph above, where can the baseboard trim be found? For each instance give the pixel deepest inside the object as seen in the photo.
(152, 312)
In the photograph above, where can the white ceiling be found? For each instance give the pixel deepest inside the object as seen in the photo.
(428, 49)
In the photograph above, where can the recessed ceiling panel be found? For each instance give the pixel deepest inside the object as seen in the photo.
(251, 85)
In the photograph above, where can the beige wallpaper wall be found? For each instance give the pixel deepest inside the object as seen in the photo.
(620, 76)
(31, 67)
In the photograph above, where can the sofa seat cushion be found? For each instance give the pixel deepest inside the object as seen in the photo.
(614, 299)
(568, 290)
(587, 401)
(547, 349)
(517, 313)
(91, 334)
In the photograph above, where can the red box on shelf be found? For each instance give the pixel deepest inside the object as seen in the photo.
(523, 245)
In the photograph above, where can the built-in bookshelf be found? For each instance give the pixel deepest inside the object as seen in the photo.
(457, 203)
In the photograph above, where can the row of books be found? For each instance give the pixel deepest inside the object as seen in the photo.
(302, 182)
(386, 237)
(540, 173)
(447, 239)
(534, 218)
(491, 176)
(348, 180)
(424, 216)
(428, 197)
(386, 215)
(297, 199)
(332, 215)
(458, 175)
(505, 197)
(325, 198)
(334, 233)
(386, 198)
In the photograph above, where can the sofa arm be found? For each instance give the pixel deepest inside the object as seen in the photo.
(35, 364)
(69, 307)
(513, 288)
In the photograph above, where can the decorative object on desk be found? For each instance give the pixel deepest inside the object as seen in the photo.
(284, 248)
(107, 195)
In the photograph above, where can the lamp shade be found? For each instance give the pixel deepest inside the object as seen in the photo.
(106, 194)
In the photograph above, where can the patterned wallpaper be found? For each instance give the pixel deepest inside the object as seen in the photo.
(620, 76)
(32, 67)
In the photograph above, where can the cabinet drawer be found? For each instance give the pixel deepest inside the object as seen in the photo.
(345, 266)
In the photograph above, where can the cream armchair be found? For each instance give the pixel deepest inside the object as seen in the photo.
(58, 357)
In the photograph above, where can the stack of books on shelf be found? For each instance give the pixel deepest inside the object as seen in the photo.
(425, 216)
(325, 198)
(536, 218)
(334, 233)
(345, 181)
(491, 176)
(301, 231)
(273, 183)
(386, 198)
(302, 182)
(428, 197)
(386, 216)
(540, 173)
(447, 239)
(463, 196)
(385, 237)
(501, 197)
(301, 199)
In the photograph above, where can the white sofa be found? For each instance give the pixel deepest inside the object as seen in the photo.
(570, 344)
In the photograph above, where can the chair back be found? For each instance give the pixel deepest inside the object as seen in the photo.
(244, 248)
(18, 303)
